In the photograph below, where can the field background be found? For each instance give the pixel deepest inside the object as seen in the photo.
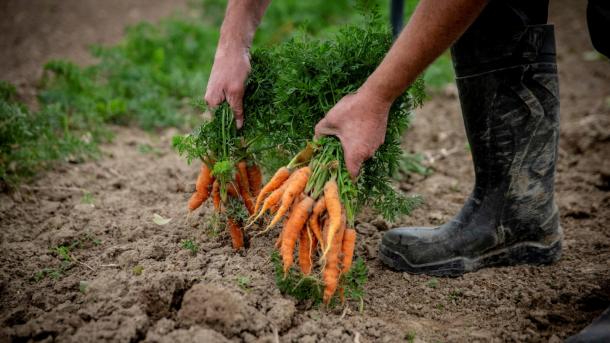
(82, 260)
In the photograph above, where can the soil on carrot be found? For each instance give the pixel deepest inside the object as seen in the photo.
(84, 258)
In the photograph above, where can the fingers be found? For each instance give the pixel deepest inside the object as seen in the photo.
(214, 96)
(353, 160)
(235, 98)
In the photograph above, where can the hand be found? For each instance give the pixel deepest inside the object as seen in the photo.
(227, 81)
(359, 120)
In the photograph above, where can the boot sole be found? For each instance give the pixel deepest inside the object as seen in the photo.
(521, 253)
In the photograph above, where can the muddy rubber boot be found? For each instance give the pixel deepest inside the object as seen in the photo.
(511, 115)
(597, 332)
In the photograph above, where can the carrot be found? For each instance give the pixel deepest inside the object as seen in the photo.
(271, 201)
(244, 191)
(237, 235)
(204, 181)
(333, 207)
(255, 177)
(276, 182)
(195, 201)
(305, 241)
(314, 219)
(293, 189)
(232, 190)
(216, 195)
(243, 182)
(347, 248)
(292, 230)
(331, 271)
(202, 188)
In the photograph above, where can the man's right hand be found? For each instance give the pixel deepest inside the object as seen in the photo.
(227, 80)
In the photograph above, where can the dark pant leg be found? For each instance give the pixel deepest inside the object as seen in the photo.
(598, 20)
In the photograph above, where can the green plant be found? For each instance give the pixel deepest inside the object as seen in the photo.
(137, 270)
(190, 245)
(308, 287)
(432, 283)
(410, 337)
(87, 198)
(243, 282)
(412, 164)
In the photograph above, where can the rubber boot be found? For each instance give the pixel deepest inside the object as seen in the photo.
(511, 115)
(597, 332)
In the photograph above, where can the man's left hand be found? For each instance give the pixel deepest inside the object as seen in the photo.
(359, 120)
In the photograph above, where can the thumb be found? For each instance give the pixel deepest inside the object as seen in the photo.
(324, 129)
(235, 100)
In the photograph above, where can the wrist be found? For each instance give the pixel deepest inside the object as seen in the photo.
(375, 95)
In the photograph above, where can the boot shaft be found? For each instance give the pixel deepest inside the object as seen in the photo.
(511, 116)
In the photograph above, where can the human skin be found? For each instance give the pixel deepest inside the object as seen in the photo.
(359, 119)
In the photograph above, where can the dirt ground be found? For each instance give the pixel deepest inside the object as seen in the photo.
(131, 280)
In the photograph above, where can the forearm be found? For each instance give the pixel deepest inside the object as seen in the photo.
(433, 27)
(239, 25)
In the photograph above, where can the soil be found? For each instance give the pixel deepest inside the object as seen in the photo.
(130, 279)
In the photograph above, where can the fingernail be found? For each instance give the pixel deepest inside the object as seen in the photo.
(239, 123)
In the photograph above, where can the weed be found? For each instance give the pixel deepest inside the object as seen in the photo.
(243, 282)
(440, 307)
(410, 336)
(190, 245)
(412, 164)
(87, 198)
(137, 270)
(147, 149)
(455, 294)
(433, 282)
(63, 252)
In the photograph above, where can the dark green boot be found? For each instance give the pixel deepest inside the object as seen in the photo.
(511, 116)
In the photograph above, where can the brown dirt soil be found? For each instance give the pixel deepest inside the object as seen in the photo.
(130, 280)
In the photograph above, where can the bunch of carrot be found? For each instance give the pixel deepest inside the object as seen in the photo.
(245, 185)
(315, 218)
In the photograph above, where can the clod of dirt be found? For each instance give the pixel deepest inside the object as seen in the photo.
(194, 334)
(164, 295)
(220, 309)
(124, 325)
(281, 313)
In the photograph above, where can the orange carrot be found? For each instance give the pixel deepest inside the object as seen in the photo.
(204, 181)
(271, 201)
(243, 182)
(305, 241)
(255, 177)
(232, 190)
(195, 201)
(292, 230)
(293, 189)
(202, 188)
(244, 191)
(314, 219)
(331, 271)
(347, 248)
(216, 195)
(237, 235)
(276, 182)
(333, 207)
